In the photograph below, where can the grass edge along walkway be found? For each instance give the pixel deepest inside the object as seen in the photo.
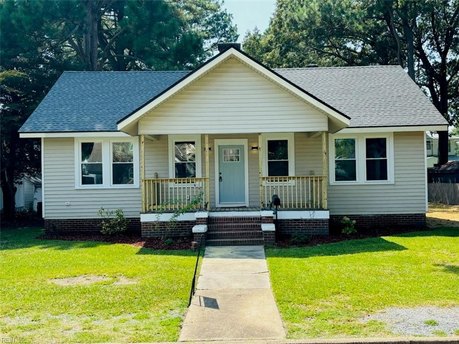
(325, 291)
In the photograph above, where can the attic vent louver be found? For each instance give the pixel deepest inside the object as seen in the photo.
(225, 46)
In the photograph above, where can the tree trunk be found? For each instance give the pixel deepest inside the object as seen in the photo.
(442, 147)
(409, 47)
(91, 42)
(9, 192)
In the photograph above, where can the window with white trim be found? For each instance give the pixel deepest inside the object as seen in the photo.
(91, 163)
(278, 155)
(361, 159)
(376, 158)
(185, 156)
(107, 163)
(345, 160)
(122, 163)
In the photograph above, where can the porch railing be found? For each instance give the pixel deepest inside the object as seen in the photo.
(169, 194)
(305, 192)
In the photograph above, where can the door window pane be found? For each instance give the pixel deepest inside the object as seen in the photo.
(345, 162)
(185, 159)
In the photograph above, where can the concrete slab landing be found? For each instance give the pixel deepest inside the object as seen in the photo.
(233, 300)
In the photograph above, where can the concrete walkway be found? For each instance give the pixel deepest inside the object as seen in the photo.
(233, 300)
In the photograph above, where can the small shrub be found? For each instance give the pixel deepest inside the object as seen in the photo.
(113, 221)
(300, 239)
(169, 242)
(348, 226)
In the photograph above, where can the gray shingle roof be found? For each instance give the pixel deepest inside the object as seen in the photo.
(95, 101)
(373, 96)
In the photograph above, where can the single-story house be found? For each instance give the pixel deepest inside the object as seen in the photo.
(28, 194)
(432, 149)
(218, 142)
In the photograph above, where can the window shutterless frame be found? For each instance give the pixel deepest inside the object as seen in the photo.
(360, 155)
(172, 139)
(107, 163)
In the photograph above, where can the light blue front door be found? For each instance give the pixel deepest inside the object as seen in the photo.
(231, 175)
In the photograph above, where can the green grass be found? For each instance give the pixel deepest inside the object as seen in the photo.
(325, 291)
(32, 309)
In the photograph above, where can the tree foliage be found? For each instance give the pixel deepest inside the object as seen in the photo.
(419, 35)
(42, 38)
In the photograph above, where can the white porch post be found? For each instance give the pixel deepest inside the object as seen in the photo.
(207, 148)
(324, 170)
(260, 168)
(142, 171)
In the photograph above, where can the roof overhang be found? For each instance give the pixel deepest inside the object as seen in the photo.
(339, 119)
(72, 134)
(393, 129)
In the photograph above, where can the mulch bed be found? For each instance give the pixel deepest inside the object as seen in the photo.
(134, 240)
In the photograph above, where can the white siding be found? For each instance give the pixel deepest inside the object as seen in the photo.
(59, 187)
(407, 195)
(308, 155)
(156, 157)
(233, 98)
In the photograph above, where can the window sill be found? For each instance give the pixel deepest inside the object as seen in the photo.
(377, 182)
(106, 187)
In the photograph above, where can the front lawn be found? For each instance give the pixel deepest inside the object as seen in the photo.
(118, 293)
(327, 290)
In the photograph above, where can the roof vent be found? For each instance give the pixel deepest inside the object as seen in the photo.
(225, 46)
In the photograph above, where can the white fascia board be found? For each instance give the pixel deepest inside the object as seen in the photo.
(303, 214)
(164, 217)
(73, 134)
(259, 68)
(393, 129)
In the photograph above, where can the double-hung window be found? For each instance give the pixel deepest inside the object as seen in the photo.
(122, 163)
(91, 163)
(278, 155)
(345, 160)
(376, 158)
(185, 156)
(107, 163)
(359, 159)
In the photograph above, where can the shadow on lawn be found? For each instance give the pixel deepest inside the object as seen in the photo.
(439, 232)
(20, 238)
(454, 269)
(337, 249)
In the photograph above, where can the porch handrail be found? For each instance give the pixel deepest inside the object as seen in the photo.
(299, 192)
(170, 194)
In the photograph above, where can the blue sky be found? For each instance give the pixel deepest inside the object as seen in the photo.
(248, 14)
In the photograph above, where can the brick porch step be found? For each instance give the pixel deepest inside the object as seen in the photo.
(235, 242)
(240, 230)
(240, 234)
(226, 227)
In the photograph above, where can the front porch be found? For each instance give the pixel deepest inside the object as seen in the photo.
(163, 191)
(202, 205)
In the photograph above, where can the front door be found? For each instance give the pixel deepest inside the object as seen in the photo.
(231, 175)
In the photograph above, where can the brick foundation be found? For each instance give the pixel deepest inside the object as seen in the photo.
(269, 238)
(382, 221)
(75, 226)
(200, 238)
(286, 228)
(161, 229)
